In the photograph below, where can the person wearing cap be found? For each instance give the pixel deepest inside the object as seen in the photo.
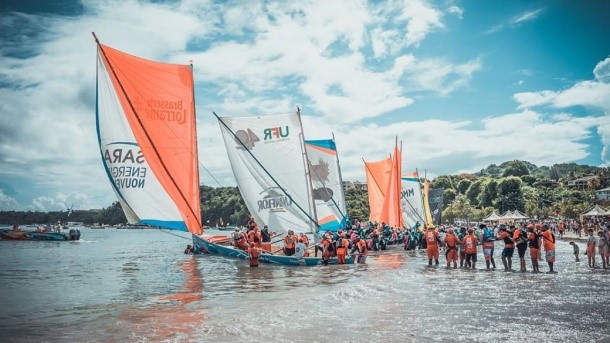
(488, 246)
(432, 240)
(470, 247)
(509, 247)
(549, 246)
(451, 242)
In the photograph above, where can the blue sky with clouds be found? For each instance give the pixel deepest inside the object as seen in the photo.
(462, 83)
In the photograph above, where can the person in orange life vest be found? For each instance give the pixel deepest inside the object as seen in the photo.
(591, 243)
(327, 248)
(451, 244)
(561, 227)
(470, 247)
(431, 237)
(303, 236)
(254, 236)
(534, 242)
(509, 247)
(240, 241)
(520, 238)
(360, 247)
(342, 245)
(253, 253)
(549, 246)
(290, 241)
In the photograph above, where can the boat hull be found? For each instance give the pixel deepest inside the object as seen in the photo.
(205, 246)
(37, 236)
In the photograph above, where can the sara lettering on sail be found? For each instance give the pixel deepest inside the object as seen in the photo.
(125, 175)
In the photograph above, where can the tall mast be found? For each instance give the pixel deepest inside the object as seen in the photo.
(312, 201)
(345, 215)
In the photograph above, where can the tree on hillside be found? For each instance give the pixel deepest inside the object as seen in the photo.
(475, 190)
(510, 196)
(554, 174)
(515, 168)
(463, 186)
(444, 182)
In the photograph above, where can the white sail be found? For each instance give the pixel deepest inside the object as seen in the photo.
(153, 177)
(327, 185)
(411, 201)
(268, 160)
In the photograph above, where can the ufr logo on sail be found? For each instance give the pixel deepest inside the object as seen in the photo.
(126, 164)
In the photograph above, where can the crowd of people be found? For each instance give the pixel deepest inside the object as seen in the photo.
(459, 244)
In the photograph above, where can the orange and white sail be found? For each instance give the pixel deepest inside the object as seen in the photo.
(147, 136)
(412, 202)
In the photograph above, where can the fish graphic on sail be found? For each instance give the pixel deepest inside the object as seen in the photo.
(327, 184)
(267, 155)
(146, 130)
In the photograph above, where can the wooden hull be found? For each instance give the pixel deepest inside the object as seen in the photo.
(203, 245)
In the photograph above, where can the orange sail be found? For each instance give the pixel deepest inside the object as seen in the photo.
(377, 177)
(157, 100)
(391, 213)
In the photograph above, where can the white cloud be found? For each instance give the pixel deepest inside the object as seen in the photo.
(8, 203)
(526, 16)
(602, 71)
(457, 11)
(591, 93)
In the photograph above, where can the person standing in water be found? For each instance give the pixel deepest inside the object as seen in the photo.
(470, 245)
(488, 245)
(549, 246)
(253, 253)
(360, 247)
(509, 248)
(534, 242)
(520, 238)
(431, 237)
(451, 244)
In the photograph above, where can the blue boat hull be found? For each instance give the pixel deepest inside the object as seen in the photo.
(39, 236)
(205, 246)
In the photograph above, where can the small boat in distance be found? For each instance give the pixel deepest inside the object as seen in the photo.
(47, 233)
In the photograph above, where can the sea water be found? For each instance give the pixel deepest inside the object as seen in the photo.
(138, 286)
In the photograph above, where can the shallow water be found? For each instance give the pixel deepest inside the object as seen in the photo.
(137, 286)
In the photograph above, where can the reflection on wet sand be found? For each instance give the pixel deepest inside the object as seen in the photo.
(172, 317)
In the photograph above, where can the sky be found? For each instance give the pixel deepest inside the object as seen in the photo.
(463, 84)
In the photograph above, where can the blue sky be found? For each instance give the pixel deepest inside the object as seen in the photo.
(462, 83)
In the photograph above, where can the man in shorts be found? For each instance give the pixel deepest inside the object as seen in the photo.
(488, 246)
(549, 246)
(520, 238)
(470, 245)
(509, 248)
